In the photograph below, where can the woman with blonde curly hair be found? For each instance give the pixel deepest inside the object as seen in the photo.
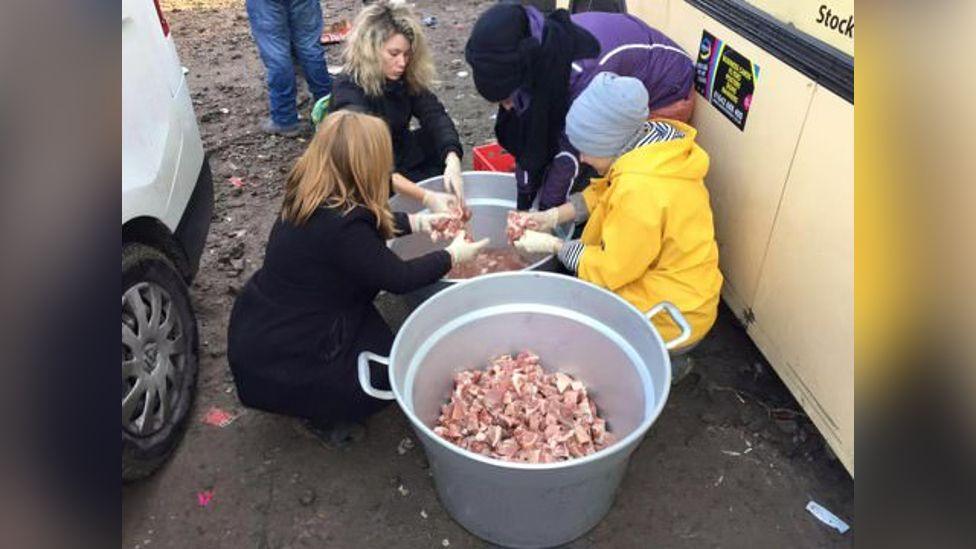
(388, 72)
(300, 322)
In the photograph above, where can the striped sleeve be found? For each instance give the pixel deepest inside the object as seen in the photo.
(570, 254)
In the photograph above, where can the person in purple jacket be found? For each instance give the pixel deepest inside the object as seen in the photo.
(535, 66)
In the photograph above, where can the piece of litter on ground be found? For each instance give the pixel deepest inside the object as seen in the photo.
(236, 181)
(218, 417)
(403, 490)
(462, 74)
(445, 542)
(430, 21)
(204, 497)
(405, 446)
(423, 513)
(719, 481)
(731, 453)
(225, 110)
(747, 450)
(826, 517)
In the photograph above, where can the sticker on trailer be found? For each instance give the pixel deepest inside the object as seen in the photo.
(725, 78)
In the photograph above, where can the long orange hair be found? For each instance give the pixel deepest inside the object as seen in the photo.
(347, 164)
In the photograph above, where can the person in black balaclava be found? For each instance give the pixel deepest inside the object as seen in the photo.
(505, 57)
(535, 66)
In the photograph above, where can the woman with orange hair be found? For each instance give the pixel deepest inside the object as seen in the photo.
(300, 322)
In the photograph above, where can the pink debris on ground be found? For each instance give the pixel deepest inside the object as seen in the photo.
(517, 225)
(204, 497)
(218, 417)
(515, 411)
(448, 228)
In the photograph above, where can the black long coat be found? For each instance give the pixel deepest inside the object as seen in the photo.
(300, 322)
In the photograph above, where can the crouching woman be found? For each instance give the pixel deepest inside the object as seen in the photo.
(300, 322)
(649, 234)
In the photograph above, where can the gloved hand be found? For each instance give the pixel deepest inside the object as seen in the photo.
(439, 202)
(544, 221)
(453, 181)
(423, 222)
(534, 242)
(461, 250)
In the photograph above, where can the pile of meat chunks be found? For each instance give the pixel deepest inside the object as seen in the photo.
(516, 411)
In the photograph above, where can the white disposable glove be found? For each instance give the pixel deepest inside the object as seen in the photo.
(439, 202)
(461, 250)
(423, 222)
(544, 221)
(453, 180)
(534, 242)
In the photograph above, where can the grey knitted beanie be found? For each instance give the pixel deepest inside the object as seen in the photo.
(609, 112)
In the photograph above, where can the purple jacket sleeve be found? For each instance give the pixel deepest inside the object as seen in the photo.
(559, 177)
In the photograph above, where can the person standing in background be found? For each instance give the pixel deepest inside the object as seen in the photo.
(281, 29)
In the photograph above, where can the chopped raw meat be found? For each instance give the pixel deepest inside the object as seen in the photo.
(513, 410)
(516, 225)
(449, 227)
(489, 260)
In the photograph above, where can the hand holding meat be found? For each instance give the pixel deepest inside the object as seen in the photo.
(461, 250)
(453, 221)
(440, 202)
(544, 221)
(427, 222)
(536, 242)
(453, 180)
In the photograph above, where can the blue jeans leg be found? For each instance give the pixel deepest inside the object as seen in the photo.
(270, 28)
(305, 20)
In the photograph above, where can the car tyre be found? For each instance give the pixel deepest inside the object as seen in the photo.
(160, 359)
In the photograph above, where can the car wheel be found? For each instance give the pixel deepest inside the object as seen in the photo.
(159, 359)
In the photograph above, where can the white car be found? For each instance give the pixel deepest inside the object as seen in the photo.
(167, 201)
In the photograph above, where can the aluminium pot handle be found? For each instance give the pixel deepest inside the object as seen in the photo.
(364, 358)
(678, 319)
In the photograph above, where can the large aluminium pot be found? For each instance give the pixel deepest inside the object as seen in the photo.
(490, 195)
(575, 327)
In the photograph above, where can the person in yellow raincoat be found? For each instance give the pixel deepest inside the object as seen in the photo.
(649, 234)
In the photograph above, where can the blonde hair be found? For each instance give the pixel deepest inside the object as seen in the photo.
(347, 164)
(374, 25)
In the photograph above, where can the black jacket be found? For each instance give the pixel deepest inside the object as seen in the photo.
(397, 107)
(301, 320)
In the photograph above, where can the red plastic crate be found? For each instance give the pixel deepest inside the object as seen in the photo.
(491, 157)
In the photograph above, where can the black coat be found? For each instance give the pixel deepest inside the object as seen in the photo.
(397, 106)
(302, 319)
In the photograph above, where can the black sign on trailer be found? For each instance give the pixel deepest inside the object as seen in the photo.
(725, 78)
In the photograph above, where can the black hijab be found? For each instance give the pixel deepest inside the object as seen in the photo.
(505, 57)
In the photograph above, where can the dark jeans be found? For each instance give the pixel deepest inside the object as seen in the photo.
(283, 29)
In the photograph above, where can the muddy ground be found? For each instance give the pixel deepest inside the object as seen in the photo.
(730, 463)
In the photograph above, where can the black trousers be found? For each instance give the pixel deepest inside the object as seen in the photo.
(432, 163)
(338, 394)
